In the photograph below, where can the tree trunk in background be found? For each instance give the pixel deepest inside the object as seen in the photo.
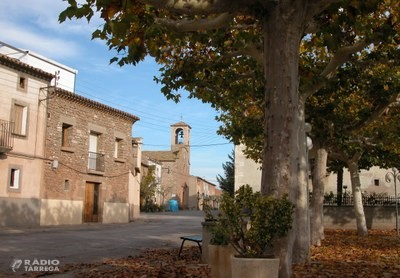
(339, 183)
(317, 200)
(302, 244)
(357, 197)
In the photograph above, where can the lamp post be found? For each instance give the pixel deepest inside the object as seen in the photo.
(395, 175)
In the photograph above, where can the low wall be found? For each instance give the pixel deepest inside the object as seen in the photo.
(19, 212)
(343, 217)
(116, 213)
(60, 212)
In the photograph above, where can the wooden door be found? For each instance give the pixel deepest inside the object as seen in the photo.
(91, 206)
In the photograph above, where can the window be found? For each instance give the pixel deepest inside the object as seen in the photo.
(118, 148)
(15, 174)
(66, 135)
(96, 159)
(22, 84)
(20, 119)
(66, 185)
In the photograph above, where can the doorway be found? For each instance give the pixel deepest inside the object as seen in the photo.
(91, 205)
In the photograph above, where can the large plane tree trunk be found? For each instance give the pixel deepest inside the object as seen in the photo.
(284, 149)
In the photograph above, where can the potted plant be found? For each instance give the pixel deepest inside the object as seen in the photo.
(253, 223)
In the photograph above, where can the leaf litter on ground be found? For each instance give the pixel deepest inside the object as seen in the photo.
(342, 254)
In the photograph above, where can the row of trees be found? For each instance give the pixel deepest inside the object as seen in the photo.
(265, 63)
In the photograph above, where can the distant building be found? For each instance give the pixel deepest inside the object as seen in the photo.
(372, 181)
(206, 193)
(175, 164)
(176, 181)
(65, 76)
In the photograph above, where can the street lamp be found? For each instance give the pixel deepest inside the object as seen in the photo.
(395, 175)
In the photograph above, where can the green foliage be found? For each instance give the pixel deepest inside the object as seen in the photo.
(218, 236)
(150, 206)
(253, 222)
(227, 183)
(208, 215)
(148, 185)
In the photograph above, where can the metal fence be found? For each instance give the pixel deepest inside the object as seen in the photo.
(368, 200)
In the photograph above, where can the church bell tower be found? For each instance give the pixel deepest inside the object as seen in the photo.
(180, 135)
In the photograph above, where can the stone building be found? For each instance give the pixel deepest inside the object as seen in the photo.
(175, 164)
(89, 177)
(372, 181)
(175, 179)
(205, 193)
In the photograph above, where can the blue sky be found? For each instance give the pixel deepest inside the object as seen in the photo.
(33, 25)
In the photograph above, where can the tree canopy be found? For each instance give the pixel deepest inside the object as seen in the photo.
(246, 58)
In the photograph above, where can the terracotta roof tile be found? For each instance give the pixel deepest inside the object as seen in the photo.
(161, 155)
(23, 67)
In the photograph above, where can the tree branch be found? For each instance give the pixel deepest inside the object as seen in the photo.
(199, 7)
(379, 110)
(253, 51)
(337, 156)
(342, 56)
(316, 7)
(184, 25)
(339, 58)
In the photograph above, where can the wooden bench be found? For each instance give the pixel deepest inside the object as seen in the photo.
(194, 238)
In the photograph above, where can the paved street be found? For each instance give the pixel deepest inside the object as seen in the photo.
(93, 242)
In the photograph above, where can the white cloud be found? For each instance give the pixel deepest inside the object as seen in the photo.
(54, 48)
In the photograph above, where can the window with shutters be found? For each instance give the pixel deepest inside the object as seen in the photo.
(20, 119)
(66, 135)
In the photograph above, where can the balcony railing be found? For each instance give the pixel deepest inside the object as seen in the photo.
(6, 137)
(96, 162)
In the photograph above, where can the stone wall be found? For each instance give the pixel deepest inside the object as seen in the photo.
(67, 181)
(343, 217)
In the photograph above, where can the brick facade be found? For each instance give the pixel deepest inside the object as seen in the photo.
(74, 118)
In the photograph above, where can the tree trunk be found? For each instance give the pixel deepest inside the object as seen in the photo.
(301, 248)
(357, 197)
(317, 201)
(284, 153)
(339, 184)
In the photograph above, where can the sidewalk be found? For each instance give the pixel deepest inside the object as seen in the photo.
(94, 242)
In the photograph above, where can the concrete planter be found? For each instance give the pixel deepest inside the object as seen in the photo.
(254, 267)
(219, 257)
(207, 226)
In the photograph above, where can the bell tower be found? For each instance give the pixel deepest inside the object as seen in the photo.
(180, 135)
